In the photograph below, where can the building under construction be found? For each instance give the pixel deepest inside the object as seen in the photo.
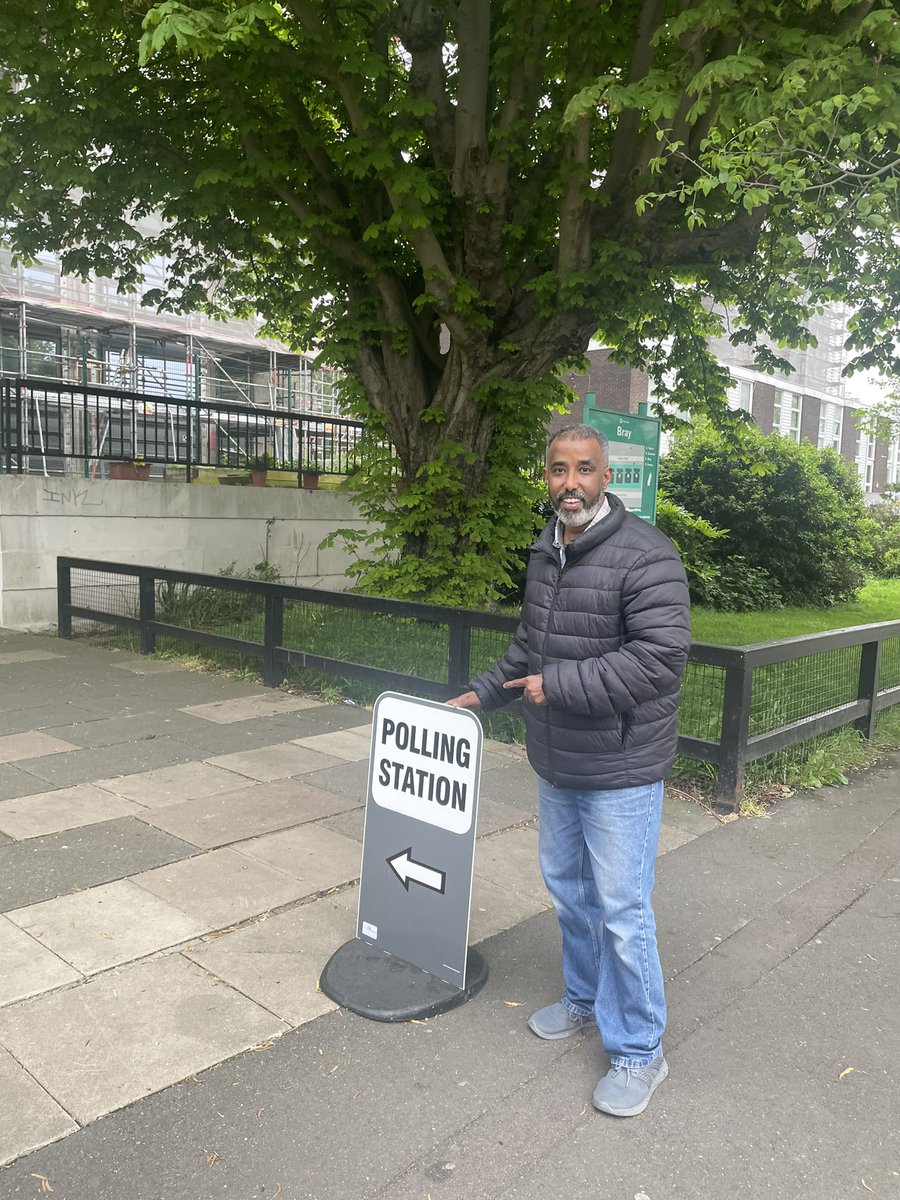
(55, 326)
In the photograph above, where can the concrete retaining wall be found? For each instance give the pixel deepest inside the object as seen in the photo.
(176, 525)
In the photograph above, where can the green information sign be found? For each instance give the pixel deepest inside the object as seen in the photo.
(633, 456)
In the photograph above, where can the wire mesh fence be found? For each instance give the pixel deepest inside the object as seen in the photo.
(702, 699)
(785, 692)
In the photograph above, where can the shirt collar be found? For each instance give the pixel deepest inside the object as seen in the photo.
(558, 535)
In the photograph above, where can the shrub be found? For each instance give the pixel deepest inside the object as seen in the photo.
(885, 558)
(794, 514)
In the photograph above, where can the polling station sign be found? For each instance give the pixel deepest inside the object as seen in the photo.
(419, 838)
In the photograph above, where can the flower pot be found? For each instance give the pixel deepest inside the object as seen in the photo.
(129, 470)
(310, 480)
(257, 478)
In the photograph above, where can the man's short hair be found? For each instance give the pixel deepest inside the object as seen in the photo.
(580, 433)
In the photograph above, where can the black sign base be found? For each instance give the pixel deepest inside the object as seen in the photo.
(383, 987)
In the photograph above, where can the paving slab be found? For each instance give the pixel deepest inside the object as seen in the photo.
(212, 739)
(105, 926)
(21, 713)
(151, 666)
(25, 656)
(172, 1017)
(222, 887)
(514, 784)
(64, 808)
(671, 837)
(29, 1117)
(171, 785)
(510, 860)
(277, 961)
(495, 909)
(247, 708)
(342, 743)
(31, 745)
(28, 967)
(349, 824)
(494, 816)
(275, 762)
(217, 820)
(58, 863)
(350, 779)
(110, 731)
(86, 766)
(16, 781)
(317, 857)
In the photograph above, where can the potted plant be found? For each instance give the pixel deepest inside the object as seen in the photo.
(259, 465)
(309, 473)
(129, 468)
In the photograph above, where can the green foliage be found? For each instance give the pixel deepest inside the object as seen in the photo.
(802, 524)
(885, 559)
(194, 607)
(726, 584)
(449, 201)
(262, 462)
(446, 539)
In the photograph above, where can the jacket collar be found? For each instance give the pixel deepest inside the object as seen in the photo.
(586, 541)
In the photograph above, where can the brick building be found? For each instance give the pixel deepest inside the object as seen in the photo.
(810, 404)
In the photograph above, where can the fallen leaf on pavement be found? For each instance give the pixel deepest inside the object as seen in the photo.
(846, 1071)
(513, 1003)
(45, 1182)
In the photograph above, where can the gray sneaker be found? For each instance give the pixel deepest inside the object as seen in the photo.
(555, 1021)
(626, 1091)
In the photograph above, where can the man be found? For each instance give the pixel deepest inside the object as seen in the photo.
(598, 658)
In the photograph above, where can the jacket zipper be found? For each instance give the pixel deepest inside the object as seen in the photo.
(550, 613)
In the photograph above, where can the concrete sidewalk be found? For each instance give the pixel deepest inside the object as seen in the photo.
(180, 859)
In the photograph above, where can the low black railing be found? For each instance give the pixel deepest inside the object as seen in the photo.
(738, 703)
(45, 425)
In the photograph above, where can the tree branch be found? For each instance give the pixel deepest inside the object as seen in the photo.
(473, 34)
(625, 138)
(422, 31)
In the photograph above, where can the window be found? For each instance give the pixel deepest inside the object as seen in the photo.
(740, 395)
(831, 425)
(786, 417)
(865, 461)
(893, 464)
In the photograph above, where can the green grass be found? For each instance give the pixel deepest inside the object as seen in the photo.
(879, 601)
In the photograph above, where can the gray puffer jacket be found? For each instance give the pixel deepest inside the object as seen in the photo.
(610, 634)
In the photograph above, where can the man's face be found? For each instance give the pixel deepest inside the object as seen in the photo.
(577, 475)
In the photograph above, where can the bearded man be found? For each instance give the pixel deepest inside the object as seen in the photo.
(598, 658)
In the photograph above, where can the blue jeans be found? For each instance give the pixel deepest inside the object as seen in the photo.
(598, 851)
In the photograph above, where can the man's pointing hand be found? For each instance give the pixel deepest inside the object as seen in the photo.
(532, 688)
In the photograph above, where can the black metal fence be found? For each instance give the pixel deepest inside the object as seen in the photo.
(738, 704)
(49, 427)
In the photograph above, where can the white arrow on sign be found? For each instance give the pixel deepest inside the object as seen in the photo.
(406, 868)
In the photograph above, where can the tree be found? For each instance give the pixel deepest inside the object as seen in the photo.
(450, 197)
(881, 420)
(798, 528)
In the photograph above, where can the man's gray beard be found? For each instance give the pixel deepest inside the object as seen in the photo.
(574, 520)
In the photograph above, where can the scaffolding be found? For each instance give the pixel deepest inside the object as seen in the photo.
(54, 326)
